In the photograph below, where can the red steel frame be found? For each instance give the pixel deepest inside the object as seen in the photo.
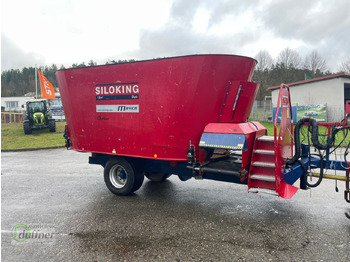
(283, 141)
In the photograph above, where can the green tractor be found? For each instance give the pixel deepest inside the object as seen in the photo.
(37, 116)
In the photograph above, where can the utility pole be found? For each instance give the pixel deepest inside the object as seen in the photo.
(36, 82)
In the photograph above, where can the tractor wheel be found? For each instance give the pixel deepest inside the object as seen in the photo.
(52, 125)
(121, 177)
(156, 177)
(27, 128)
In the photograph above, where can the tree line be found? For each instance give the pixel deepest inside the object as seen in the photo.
(16, 82)
(288, 67)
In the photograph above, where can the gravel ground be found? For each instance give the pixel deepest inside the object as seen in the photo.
(58, 193)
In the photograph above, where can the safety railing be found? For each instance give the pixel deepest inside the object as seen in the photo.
(283, 137)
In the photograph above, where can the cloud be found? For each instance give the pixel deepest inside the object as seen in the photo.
(12, 56)
(230, 8)
(246, 27)
(177, 40)
(179, 35)
(321, 25)
(159, 28)
(310, 21)
(183, 11)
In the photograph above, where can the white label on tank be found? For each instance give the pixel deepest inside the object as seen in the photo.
(117, 108)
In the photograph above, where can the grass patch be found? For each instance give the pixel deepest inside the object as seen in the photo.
(269, 127)
(323, 131)
(13, 137)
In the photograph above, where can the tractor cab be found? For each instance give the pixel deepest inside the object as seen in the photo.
(36, 106)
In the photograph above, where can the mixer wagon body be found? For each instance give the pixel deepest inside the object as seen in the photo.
(152, 109)
(163, 116)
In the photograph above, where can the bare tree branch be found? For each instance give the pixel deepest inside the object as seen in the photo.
(265, 60)
(345, 66)
(289, 58)
(314, 62)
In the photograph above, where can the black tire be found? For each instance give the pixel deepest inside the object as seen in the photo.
(156, 177)
(52, 125)
(27, 128)
(138, 182)
(140, 177)
(121, 177)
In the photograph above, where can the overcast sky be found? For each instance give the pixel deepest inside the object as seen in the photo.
(64, 32)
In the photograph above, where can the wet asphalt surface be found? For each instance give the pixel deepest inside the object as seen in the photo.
(57, 191)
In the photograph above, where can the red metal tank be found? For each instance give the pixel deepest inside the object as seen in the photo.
(153, 108)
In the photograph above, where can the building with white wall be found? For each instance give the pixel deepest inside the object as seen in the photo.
(332, 90)
(14, 103)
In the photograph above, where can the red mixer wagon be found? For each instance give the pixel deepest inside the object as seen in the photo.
(184, 116)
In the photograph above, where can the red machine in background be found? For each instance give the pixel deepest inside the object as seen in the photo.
(185, 116)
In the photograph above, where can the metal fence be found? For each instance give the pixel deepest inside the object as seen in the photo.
(8, 117)
(262, 111)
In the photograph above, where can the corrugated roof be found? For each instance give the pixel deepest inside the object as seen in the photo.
(346, 75)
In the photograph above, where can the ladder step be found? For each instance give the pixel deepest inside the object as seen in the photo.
(266, 138)
(263, 190)
(263, 164)
(263, 178)
(264, 152)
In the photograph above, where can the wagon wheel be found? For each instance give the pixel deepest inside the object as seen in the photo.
(121, 177)
(156, 177)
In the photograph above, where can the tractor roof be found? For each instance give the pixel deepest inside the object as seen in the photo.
(36, 100)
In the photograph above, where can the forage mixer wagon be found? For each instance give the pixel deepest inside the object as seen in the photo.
(184, 116)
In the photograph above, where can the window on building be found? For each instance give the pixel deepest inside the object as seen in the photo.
(11, 104)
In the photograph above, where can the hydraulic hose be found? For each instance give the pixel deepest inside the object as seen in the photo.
(319, 180)
(297, 154)
(314, 139)
(314, 133)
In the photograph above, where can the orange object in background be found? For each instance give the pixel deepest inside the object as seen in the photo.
(47, 89)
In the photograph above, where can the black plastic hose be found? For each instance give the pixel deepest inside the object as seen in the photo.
(314, 133)
(314, 139)
(319, 180)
